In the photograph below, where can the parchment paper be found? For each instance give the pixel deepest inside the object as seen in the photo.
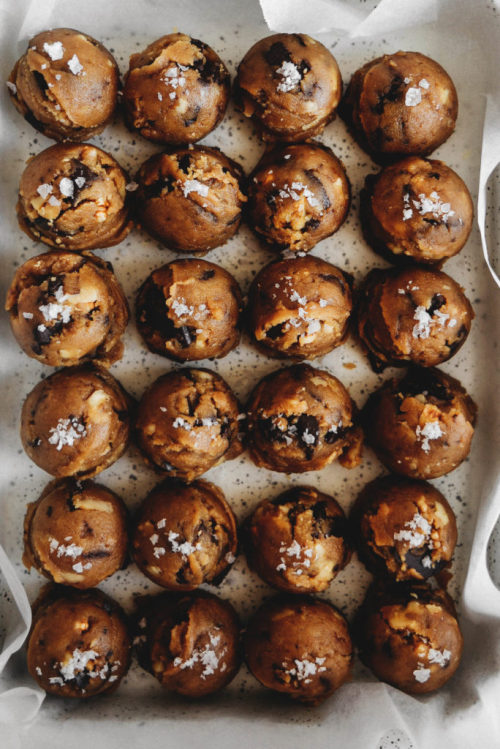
(464, 37)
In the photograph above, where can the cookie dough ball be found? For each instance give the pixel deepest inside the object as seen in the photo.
(185, 535)
(408, 635)
(176, 91)
(73, 197)
(417, 209)
(401, 104)
(298, 195)
(301, 419)
(191, 199)
(66, 308)
(299, 308)
(415, 315)
(405, 529)
(421, 425)
(189, 310)
(79, 645)
(76, 422)
(76, 533)
(190, 643)
(65, 85)
(297, 541)
(188, 422)
(290, 85)
(299, 646)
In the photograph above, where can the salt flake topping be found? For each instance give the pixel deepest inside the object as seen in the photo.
(425, 322)
(290, 77)
(57, 311)
(298, 190)
(55, 50)
(207, 657)
(75, 65)
(430, 431)
(185, 548)
(194, 185)
(422, 674)
(303, 669)
(416, 531)
(12, 87)
(44, 190)
(66, 432)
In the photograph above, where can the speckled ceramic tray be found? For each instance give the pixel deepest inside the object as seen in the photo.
(362, 711)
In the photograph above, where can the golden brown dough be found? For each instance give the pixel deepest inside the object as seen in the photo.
(66, 309)
(417, 209)
(290, 85)
(301, 419)
(415, 315)
(76, 533)
(400, 104)
(188, 422)
(421, 425)
(299, 646)
(190, 643)
(408, 635)
(405, 529)
(176, 91)
(74, 197)
(76, 422)
(297, 542)
(185, 535)
(299, 308)
(65, 85)
(79, 644)
(189, 310)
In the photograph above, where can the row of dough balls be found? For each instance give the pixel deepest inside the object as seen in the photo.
(77, 197)
(176, 91)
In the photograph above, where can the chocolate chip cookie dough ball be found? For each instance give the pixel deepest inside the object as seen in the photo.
(406, 529)
(185, 535)
(76, 422)
(401, 104)
(299, 646)
(417, 209)
(66, 308)
(191, 199)
(73, 197)
(301, 419)
(176, 91)
(408, 635)
(415, 315)
(298, 195)
(79, 645)
(188, 422)
(297, 541)
(190, 642)
(421, 425)
(76, 533)
(189, 310)
(299, 308)
(290, 85)
(65, 85)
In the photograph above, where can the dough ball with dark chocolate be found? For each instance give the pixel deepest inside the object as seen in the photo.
(76, 422)
(76, 533)
(79, 644)
(67, 308)
(176, 91)
(421, 425)
(65, 85)
(408, 635)
(290, 85)
(191, 199)
(191, 643)
(299, 308)
(414, 314)
(416, 209)
(401, 104)
(185, 535)
(188, 422)
(73, 197)
(298, 195)
(301, 419)
(297, 541)
(405, 529)
(189, 310)
(299, 646)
